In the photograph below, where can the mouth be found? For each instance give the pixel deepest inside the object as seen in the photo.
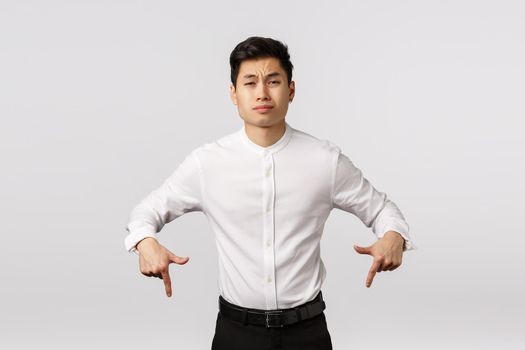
(262, 109)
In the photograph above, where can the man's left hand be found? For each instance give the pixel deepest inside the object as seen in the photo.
(387, 253)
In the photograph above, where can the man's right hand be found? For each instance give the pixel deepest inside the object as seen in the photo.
(154, 260)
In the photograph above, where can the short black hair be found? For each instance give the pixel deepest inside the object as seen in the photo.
(259, 47)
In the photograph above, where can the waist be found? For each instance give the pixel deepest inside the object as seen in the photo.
(275, 317)
(317, 298)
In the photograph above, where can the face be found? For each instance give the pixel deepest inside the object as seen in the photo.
(262, 82)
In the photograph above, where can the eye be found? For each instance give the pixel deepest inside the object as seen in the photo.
(274, 82)
(250, 83)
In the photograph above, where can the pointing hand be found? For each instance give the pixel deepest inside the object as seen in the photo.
(154, 260)
(387, 253)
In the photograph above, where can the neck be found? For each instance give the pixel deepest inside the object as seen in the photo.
(265, 136)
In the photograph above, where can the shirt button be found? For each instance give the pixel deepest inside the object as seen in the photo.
(268, 171)
(269, 280)
(268, 243)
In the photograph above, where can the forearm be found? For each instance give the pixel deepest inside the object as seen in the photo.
(147, 219)
(390, 221)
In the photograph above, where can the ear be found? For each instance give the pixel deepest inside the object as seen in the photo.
(233, 94)
(292, 91)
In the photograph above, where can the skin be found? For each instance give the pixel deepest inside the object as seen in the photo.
(263, 81)
(387, 253)
(154, 261)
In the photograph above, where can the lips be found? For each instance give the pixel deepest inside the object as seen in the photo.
(263, 107)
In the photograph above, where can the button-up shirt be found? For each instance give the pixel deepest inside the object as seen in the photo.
(267, 207)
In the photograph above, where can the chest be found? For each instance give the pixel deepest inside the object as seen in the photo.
(246, 186)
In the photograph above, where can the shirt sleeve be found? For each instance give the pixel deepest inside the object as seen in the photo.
(179, 194)
(353, 193)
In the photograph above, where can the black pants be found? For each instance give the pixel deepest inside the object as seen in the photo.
(310, 334)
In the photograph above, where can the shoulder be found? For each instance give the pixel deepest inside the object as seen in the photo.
(216, 146)
(310, 142)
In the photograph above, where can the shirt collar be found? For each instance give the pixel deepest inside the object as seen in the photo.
(278, 145)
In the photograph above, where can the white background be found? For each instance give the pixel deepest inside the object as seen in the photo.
(101, 100)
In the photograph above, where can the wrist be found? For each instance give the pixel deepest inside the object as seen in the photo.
(144, 242)
(397, 236)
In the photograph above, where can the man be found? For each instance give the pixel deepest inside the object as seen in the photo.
(267, 190)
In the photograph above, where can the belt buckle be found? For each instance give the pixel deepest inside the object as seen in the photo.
(268, 325)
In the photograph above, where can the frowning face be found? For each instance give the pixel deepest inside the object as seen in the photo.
(262, 93)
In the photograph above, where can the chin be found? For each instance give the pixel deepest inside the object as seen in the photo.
(264, 120)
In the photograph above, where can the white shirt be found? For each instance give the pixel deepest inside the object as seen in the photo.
(267, 207)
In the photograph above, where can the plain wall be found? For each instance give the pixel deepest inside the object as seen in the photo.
(101, 100)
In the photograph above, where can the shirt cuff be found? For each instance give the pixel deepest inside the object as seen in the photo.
(409, 244)
(135, 236)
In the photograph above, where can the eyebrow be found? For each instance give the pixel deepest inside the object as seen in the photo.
(273, 74)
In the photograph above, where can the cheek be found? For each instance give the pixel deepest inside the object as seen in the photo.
(242, 97)
(282, 97)
(283, 94)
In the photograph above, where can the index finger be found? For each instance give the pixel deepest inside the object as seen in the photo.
(167, 281)
(372, 272)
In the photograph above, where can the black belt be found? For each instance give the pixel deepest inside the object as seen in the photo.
(272, 318)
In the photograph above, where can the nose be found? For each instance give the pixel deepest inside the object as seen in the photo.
(262, 93)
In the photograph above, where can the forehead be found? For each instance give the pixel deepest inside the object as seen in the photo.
(260, 66)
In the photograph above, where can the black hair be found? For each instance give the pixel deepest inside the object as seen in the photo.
(259, 47)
